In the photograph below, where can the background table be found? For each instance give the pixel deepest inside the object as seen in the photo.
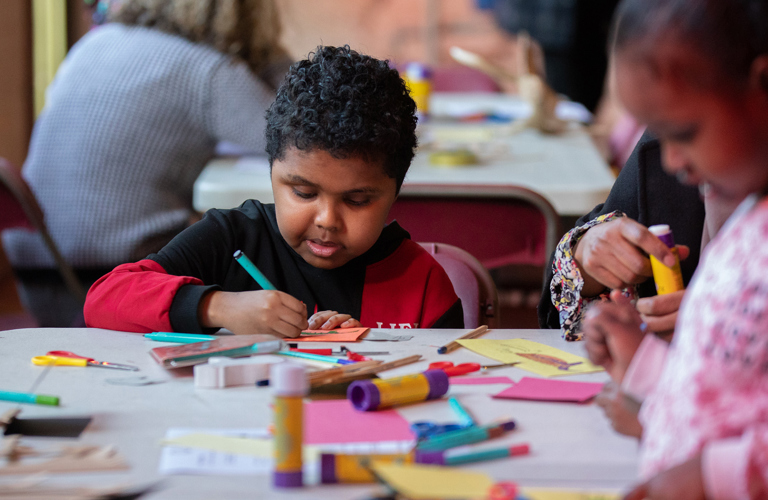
(572, 444)
(566, 169)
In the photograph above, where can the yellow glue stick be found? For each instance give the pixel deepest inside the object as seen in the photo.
(668, 279)
(344, 468)
(289, 385)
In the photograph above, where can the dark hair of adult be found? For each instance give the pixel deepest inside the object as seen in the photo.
(731, 33)
(347, 104)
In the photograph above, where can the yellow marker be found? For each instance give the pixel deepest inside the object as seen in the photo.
(668, 279)
(341, 468)
(367, 395)
(289, 384)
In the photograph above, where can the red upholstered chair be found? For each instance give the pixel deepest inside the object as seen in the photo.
(472, 283)
(498, 225)
(462, 79)
(19, 209)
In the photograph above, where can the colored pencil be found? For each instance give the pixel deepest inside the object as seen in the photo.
(452, 346)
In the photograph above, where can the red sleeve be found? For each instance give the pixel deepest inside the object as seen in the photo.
(134, 297)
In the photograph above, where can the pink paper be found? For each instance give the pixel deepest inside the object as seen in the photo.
(336, 421)
(542, 389)
(480, 380)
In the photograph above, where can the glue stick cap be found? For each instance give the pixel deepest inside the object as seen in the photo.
(288, 379)
(664, 233)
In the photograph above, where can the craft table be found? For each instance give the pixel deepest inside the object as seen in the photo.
(572, 445)
(566, 169)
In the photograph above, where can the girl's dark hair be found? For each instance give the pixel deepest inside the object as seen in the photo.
(347, 104)
(731, 33)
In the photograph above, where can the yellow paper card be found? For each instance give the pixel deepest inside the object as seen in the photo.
(547, 494)
(534, 357)
(429, 481)
(224, 444)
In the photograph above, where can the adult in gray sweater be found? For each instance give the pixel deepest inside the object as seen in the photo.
(131, 118)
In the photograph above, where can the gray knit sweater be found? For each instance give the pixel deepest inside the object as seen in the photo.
(131, 119)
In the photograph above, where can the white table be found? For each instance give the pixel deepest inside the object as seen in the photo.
(566, 169)
(572, 445)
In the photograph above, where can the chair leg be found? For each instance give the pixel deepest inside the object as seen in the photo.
(70, 279)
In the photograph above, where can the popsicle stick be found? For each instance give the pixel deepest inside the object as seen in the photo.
(453, 345)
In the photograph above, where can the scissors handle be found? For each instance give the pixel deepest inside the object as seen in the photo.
(68, 354)
(452, 370)
(58, 361)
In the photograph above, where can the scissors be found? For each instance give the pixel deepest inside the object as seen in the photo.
(426, 429)
(67, 358)
(452, 370)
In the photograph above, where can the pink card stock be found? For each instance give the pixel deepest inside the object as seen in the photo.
(540, 389)
(480, 380)
(336, 421)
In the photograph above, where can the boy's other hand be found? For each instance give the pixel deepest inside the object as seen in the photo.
(259, 311)
(327, 320)
(613, 334)
(683, 482)
(614, 255)
(660, 312)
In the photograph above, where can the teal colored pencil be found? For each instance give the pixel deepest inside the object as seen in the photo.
(25, 397)
(179, 338)
(251, 269)
(465, 419)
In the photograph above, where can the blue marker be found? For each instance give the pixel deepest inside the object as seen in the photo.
(262, 280)
(179, 338)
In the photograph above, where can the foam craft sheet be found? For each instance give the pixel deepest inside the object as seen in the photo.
(541, 389)
(335, 335)
(480, 380)
(555, 494)
(337, 421)
(429, 481)
(532, 356)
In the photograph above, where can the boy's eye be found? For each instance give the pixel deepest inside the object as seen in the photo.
(358, 201)
(303, 195)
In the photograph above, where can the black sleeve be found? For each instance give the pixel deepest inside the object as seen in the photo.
(452, 318)
(623, 197)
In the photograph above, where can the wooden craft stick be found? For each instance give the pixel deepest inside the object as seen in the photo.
(321, 374)
(365, 372)
(453, 345)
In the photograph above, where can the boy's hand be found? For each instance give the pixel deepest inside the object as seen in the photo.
(612, 333)
(327, 320)
(258, 311)
(660, 312)
(683, 482)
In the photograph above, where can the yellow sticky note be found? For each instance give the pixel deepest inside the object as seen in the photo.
(226, 444)
(430, 481)
(552, 494)
(534, 357)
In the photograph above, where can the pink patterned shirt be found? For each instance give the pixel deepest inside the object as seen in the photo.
(708, 392)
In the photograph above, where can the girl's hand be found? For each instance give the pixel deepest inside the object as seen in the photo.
(258, 311)
(683, 482)
(613, 334)
(327, 320)
(660, 312)
(621, 410)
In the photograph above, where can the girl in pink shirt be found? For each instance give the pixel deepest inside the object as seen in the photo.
(696, 73)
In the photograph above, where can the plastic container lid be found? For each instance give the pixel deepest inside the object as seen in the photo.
(288, 379)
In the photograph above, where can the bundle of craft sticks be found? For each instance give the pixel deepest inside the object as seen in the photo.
(356, 371)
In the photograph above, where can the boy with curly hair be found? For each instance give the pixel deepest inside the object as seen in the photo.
(340, 139)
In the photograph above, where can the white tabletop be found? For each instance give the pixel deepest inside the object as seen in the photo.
(572, 444)
(566, 169)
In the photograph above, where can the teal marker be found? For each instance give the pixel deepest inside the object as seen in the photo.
(317, 357)
(25, 397)
(465, 419)
(179, 338)
(470, 435)
(262, 280)
(451, 458)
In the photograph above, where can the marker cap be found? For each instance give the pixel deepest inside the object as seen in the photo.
(664, 233)
(43, 399)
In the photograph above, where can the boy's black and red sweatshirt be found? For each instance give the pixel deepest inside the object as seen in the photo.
(395, 284)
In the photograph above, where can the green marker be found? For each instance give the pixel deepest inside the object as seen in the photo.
(179, 338)
(25, 397)
(262, 280)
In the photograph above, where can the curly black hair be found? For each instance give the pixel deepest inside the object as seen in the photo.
(347, 104)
